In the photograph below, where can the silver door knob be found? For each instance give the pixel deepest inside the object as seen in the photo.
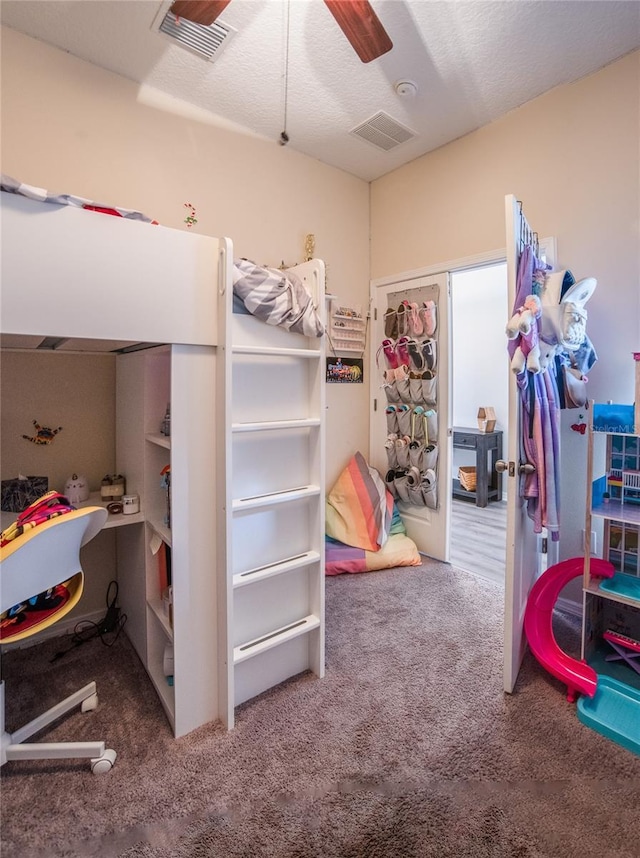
(526, 468)
(502, 466)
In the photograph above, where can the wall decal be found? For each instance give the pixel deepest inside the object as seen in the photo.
(44, 435)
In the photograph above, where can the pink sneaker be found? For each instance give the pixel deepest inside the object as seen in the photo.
(402, 351)
(415, 321)
(429, 312)
(387, 347)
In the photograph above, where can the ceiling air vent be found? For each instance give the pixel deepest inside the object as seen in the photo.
(383, 132)
(205, 41)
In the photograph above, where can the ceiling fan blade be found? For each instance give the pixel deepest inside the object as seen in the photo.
(362, 27)
(199, 11)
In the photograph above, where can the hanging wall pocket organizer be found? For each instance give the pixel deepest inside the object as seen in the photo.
(408, 360)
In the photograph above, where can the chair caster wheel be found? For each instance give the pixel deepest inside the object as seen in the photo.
(102, 765)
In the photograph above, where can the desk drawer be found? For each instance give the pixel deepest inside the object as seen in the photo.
(461, 439)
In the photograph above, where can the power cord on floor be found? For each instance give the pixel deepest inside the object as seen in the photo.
(107, 629)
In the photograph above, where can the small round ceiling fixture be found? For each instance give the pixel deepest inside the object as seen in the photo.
(406, 89)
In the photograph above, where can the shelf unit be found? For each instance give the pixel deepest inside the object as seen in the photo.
(613, 511)
(348, 330)
(146, 381)
(272, 519)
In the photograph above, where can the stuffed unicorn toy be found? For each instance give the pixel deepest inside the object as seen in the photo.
(564, 316)
(524, 325)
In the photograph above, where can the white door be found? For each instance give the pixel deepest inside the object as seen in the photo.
(429, 528)
(523, 560)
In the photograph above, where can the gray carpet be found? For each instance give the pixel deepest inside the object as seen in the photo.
(407, 749)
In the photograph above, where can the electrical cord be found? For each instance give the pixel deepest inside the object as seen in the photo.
(107, 629)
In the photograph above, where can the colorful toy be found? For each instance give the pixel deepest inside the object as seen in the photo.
(608, 706)
(524, 325)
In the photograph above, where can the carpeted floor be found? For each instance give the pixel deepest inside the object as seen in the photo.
(407, 749)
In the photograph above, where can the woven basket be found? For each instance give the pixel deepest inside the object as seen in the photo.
(467, 477)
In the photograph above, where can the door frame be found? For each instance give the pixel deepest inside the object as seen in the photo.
(479, 260)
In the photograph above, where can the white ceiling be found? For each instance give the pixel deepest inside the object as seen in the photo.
(472, 61)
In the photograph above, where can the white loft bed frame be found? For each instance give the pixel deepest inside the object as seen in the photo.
(81, 275)
(69, 272)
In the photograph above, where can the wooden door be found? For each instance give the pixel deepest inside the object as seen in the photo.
(522, 557)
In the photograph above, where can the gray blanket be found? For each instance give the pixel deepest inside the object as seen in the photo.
(276, 297)
(13, 186)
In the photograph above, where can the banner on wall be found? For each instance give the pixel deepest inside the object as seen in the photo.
(345, 370)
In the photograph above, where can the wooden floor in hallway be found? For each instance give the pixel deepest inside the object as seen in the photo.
(478, 538)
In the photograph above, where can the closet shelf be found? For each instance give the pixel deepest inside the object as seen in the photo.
(266, 426)
(277, 352)
(273, 498)
(160, 440)
(260, 573)
(155, 605)
(275, 638)
(162, 530)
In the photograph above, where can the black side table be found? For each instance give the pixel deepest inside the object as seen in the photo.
(488, 447)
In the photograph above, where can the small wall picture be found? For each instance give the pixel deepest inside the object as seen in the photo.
(342, 370)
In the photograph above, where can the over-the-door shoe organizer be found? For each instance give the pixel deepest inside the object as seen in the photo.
(408, 360)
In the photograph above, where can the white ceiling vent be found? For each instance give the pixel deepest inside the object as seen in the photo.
(205, 41)
(383, 132)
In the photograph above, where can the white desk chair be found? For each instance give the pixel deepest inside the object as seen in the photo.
(39, 559)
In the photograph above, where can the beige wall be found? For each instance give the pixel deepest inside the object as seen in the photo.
(572, 156)
(70, 127)
(76, 392)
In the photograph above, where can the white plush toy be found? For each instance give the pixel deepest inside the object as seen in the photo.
(564, 320)
(524, 324)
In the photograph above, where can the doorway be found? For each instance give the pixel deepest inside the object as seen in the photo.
(480, 378)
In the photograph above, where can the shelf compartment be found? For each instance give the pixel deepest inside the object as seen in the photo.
(161, 529)
(275, 351)
(275, 425)
(273, 498)
(270, 570)
(159, 440)
(157, 641)
(155, 605)
(261, 644)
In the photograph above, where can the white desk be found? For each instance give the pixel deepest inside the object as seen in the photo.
(6, 518)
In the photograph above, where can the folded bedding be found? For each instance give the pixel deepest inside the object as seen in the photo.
(276, 297)
(13, 186)
(399, 550)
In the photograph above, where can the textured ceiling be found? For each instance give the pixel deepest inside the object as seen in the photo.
(471, 61)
